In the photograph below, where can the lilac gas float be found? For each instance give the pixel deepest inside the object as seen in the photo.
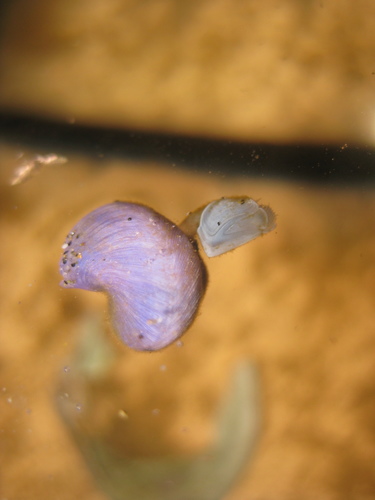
(149, 267)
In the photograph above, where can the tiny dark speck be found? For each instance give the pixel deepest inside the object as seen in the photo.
(129, 218)
(73, 264)
(218, 223)
(140, 336)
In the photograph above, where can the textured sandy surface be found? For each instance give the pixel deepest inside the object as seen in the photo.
(272, 71)
(299, 302)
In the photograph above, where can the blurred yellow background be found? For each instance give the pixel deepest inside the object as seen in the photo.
(299, 302)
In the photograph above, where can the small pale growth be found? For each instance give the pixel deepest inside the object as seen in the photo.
(122, 414)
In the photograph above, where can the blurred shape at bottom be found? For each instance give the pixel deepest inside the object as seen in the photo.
(207, 475)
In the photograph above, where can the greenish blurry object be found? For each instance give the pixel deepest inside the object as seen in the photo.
(205, 476)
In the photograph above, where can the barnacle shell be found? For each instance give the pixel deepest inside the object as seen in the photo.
(150, 270)
(228, 223)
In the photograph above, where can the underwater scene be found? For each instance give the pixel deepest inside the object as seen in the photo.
(187, 221)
